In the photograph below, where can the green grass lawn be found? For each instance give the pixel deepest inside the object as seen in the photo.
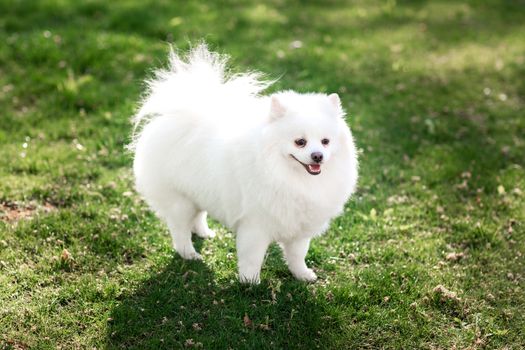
(429, 253)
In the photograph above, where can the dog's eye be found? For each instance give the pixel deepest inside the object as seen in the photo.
(325, 142)
(300, 142)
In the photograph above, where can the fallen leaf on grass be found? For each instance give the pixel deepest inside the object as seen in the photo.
(264, 327)
(454, 256)
(66, 256)
(397, 199)
(445, 294)
(190, 343)
(15, 345)
(12, 212)
(463, 185)
(247, 322)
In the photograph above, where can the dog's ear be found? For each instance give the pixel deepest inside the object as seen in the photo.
(335, 101)
(277, 110)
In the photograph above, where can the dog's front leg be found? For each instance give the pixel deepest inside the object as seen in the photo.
(252, 244)
(294, 253)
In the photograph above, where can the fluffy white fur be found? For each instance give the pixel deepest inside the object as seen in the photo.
(207, 142)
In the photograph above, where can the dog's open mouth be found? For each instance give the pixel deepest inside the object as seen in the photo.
(313, 169)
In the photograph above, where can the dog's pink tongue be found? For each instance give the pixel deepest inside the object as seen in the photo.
(314, 167)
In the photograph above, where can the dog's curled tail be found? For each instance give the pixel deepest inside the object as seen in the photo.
(191, 82)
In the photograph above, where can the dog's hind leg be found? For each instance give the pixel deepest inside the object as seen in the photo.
(200, 226)
(179, 216)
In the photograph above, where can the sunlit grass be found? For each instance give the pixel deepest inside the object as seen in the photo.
(428, 253)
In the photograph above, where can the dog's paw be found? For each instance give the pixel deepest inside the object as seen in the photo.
(252, 280)
(249, 277)
(208, 233)
(307, 275)
(191, 255)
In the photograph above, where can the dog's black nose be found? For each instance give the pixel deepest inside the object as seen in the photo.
(317, 157)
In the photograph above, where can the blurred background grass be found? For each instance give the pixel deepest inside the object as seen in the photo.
(434, 92)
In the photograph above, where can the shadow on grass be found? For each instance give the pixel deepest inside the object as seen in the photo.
(185, 304)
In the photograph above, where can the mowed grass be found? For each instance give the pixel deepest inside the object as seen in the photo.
(428, 254)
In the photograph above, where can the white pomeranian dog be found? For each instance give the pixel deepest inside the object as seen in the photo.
(272, 168)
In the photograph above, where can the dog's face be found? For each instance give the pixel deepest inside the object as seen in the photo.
(307, 128)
